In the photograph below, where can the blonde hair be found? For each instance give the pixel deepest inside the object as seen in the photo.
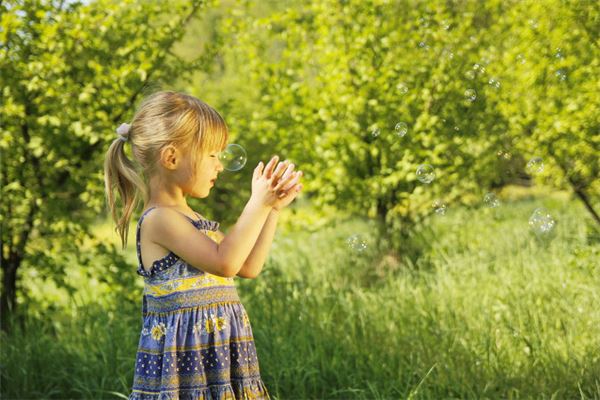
(163, 118)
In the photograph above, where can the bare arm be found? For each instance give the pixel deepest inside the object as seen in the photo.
(241, 238)
(255, 261)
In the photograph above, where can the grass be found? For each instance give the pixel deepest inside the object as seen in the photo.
(487, 311)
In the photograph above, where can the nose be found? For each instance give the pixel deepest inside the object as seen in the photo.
(220, 166)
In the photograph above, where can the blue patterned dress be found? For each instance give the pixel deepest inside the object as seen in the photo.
(196, 341)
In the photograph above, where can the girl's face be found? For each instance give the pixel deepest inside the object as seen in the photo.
(208, 169)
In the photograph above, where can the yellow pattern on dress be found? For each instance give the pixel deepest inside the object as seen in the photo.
(194, 282)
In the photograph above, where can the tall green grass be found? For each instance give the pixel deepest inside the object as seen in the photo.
(486, 311)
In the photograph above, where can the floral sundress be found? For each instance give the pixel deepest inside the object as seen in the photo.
(196, 341)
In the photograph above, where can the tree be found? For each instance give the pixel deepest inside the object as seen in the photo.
(69, 75)
(325, 75)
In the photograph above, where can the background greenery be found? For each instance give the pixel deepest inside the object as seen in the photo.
(467, 304)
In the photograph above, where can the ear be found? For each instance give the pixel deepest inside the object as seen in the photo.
(170, 156)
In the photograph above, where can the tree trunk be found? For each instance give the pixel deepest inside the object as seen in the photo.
(586, 202)
(9, 292)
(577, 189)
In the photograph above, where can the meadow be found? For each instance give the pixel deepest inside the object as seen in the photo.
(486, 310)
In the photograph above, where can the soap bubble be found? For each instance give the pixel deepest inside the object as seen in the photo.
(375, 132)
(479, 67)
(494, 83)
(425, 173)
(402, 88)
(423, 45)
(470, 94)
(356, 243)
(541, 222)
(559, 54)
(401, 129)
(521, 58)
(470, 74)
(504, 154)
(445, 24)
(535, 166)
(439, 207)
(233, 157)
(561, 74)
(448, 53)
(533, 23)
(490, 200)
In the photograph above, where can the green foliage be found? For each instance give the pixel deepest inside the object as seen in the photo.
(69, 76)
(314, 80)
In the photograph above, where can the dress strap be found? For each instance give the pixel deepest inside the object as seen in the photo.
(193, 220)
(138, 237)
(200, 223)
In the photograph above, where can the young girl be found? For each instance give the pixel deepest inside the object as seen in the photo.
(196, 341)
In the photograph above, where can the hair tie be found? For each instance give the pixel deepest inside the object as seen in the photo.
(123, 131)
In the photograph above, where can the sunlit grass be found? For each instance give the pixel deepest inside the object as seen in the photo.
(486, 311)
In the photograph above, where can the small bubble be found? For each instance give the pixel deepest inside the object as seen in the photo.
(490, 200)
(559, 53)
(456, 128)
(561, 74)
(521, 58)
(356, 243)
(425, 173)
(401, 129)
(448, 53)
(402, 88)
(541, 222)
(375, 132)
(504, 154)
(471, 95)
(470, 74)
(439, 207)
(533, 23)
(535, 166)
(445, 24)
(494, 83)
(478, 67)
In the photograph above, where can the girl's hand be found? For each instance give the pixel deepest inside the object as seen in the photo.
(273, 189)
(288, 187)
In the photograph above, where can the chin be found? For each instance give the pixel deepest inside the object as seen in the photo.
(200, 195)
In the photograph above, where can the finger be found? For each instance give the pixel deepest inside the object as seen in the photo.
(288, 172)
(278, 171)
(270, 166)
(257, 171)
(294, 182)
(294, 191)
(289, 182)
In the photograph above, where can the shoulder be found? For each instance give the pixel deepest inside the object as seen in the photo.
(160, 221)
